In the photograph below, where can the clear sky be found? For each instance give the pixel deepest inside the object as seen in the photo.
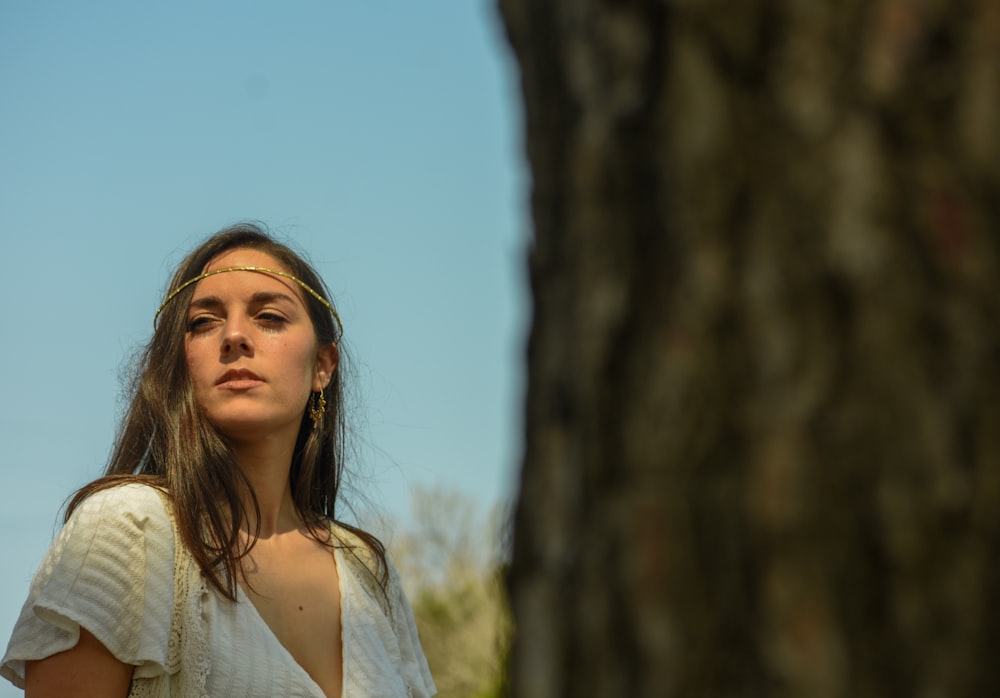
(382, 138)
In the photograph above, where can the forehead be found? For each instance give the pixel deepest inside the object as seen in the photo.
(242, 281)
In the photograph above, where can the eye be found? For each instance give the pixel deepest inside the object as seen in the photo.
(271, 319)
(200, 323)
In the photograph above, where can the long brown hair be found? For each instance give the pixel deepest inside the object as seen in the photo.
(164, 439)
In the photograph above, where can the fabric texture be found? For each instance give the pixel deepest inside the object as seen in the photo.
(118, 570)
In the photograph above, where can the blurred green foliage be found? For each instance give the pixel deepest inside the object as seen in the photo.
(452, 564)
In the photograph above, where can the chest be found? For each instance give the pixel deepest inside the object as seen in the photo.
(221, 648)
(294, 586)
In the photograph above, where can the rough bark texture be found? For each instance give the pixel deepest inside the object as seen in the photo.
(763, 417)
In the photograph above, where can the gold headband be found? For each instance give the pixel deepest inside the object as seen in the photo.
(284, 274)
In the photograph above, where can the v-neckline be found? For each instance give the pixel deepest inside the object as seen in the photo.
(243, 596)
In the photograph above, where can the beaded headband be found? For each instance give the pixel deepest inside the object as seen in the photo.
(284, 274)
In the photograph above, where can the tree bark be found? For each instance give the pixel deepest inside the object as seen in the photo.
(762, 423)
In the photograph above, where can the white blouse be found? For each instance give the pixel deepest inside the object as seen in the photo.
(116, 570)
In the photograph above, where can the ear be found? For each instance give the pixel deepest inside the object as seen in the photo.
(326, 363)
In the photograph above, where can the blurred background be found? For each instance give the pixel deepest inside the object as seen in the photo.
(382, 139)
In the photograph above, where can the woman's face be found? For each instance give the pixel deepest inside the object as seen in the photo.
(251, 349)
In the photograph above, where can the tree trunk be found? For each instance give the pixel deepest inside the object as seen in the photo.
(763, 417)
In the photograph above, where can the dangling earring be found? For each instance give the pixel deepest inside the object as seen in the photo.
(317, 406)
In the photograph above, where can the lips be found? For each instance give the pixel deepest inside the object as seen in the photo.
(239, 379)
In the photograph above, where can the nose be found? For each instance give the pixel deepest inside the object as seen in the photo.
(235, 339)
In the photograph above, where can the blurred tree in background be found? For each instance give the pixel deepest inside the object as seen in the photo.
(451, 560)
(763, 417)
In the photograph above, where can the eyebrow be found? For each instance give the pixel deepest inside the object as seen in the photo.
(259, 298)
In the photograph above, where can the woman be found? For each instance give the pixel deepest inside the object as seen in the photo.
(208, 560)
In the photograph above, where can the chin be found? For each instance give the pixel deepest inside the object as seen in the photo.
(255, 427)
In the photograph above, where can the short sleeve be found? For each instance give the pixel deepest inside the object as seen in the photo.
(382, 653)
(110, 570)
(416, 674)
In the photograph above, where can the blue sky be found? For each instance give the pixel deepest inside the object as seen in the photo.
(382, 138)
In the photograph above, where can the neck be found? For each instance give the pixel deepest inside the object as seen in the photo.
(267, 466)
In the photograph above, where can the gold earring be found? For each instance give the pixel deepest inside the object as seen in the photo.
(317, 406)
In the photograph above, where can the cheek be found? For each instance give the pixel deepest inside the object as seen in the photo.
(305, 359)
(297, 352)
(194, 366)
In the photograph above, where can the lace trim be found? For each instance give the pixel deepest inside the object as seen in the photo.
(194, 658)
(368, 567)
(188, 660)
